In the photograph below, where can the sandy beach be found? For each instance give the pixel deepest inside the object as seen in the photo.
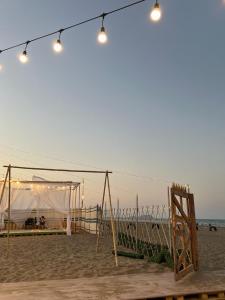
(211, 249)
(62, 257)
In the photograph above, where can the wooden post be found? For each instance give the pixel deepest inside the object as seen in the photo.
(112, 222)
(69, 208)
(96, 229)
(4, 184)
(170, 221)
(2, 194)
(136, 231)
(118, 215)
(85, 216)
(9, 203)
(79, 210)
(101, 214)
(194, 241)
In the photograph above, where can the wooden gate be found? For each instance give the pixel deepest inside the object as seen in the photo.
(184, 237)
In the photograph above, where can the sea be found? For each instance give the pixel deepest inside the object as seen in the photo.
(215, 222)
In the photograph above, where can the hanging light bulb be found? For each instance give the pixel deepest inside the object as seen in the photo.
(156, 12)
(102, 35)
(1, 66)
(23, 57)
(57, 46)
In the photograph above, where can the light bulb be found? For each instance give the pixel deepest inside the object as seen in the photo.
(102, 36)
(1, 67)
(23, 57)
(156, 13)
(57, 46)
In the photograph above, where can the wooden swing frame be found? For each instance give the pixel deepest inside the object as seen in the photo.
(106, 185)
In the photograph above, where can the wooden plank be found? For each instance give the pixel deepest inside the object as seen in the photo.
(204, 296)
(221, 295)
(180, 208)
(173, 210)
(184, 228)
(184, 272)
(194, 242)
(179, 218)
(180, 298)
(179, 193)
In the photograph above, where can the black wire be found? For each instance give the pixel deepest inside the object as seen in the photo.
(72, 26)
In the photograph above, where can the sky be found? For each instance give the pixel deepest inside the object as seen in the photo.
(149, 105)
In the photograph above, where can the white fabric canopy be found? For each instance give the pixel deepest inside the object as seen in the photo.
(38, 194)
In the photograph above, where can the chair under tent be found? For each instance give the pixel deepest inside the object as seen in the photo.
(39, 205)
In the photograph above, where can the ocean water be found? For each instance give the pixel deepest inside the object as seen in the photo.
(216, 222)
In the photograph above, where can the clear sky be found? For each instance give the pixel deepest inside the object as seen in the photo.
(149, 103)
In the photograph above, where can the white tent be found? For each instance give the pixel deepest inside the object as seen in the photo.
(37, 197)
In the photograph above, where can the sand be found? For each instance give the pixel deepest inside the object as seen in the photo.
(211, 249)
(62, 257)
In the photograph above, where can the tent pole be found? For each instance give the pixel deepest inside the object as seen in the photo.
(4, 184)
(2, 194)
(112, 222)
(101, 214)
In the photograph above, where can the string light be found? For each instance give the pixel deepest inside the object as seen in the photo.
(156, 13)
(102, 35)
(57, 46)
(23, 56)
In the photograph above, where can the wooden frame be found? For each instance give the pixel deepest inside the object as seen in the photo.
(184, 235)
(106, 183)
